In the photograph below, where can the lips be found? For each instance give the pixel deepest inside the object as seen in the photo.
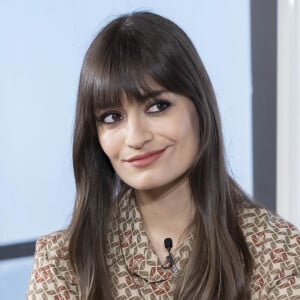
(145, 159)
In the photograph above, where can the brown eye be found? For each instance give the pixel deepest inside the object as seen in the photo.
(111, 117)
(158, 106)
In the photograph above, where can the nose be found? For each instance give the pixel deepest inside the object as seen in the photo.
(138, 131)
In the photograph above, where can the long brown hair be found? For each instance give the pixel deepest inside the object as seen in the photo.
(125, 56)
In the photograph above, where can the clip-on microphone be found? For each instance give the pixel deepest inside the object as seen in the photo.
(170, 261)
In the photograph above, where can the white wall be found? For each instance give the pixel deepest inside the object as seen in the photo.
(288, 111)
(42, 47)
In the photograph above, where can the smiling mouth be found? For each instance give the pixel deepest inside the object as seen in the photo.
(146, 159)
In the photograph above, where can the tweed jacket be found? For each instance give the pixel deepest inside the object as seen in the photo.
(136, 271)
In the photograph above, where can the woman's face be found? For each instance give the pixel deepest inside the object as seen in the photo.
(150, 144)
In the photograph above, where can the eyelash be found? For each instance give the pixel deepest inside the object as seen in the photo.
(164, 103)
(102, 118)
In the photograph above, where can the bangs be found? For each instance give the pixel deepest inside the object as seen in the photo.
(110, 89)
(123, 69)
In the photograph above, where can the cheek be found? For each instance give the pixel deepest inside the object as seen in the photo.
(188, 134)
(110, 143)
(185, 128)
(192, 124)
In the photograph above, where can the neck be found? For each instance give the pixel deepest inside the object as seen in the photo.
(166, 212)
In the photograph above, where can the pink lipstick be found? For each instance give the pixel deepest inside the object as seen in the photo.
(145, 159)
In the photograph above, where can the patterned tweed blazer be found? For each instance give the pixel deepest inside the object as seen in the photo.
(136, 271)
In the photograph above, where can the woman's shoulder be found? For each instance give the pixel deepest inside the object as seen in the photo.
(52, 273)
(55, 245)
(260, 223)
(263, 228)
(52, 250)
(275, 247)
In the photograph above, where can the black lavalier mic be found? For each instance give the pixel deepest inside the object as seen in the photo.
(170, 261)
(168, 244)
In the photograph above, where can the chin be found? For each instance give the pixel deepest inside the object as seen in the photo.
(143, 183)
(151, 184)
(144, 187)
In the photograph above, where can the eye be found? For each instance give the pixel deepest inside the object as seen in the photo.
(110, 117)
(158, 106)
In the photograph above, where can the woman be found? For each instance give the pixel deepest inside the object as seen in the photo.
(157, 216)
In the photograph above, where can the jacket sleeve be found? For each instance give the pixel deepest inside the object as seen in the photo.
(52, 277)
(281, 260)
